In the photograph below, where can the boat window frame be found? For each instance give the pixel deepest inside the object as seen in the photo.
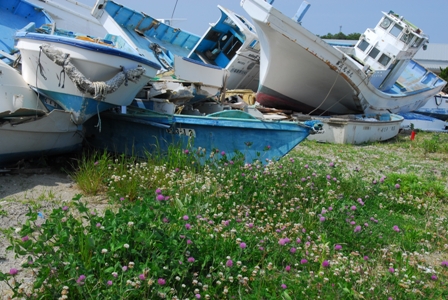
(363, 42)
(417, 43)
(407, 38)
(396, 30)
(383, 55)
(372, 55)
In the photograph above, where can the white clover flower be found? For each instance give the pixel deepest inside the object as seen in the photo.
(130, 224)
(126, 246)
(104, 251)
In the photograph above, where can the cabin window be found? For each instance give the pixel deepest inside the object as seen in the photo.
(406, 38)
(229, 22)
(384, 59)
(374, 52)
(363, 45)
(396, 30)
(386, 23)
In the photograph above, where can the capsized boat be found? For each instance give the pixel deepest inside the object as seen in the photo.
(356, 129)
(229, 132)
(436, 107)
(230, 43)
(418, 121)
(33, 136)
(300, 71)
(84, 75)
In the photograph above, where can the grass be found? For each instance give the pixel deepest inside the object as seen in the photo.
(327, 221)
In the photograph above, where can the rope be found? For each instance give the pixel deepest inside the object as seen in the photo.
(328, 94)
(100, 88)
(98, 125)
(172, 15)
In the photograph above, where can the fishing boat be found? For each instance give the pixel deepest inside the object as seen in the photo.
(356, 129)
(232, 133)
(300, 71)
(421, 122)
(230, 43)
(16, 97)
(84, 75)
(436, 107)
(32, 136)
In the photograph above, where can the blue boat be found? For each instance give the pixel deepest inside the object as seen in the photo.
(231, 132)
(231, 44)
(422, 122)
(15, 15)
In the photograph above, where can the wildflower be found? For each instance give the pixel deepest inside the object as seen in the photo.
(325, 264)
(13, 271)
(198, 296)
(142, 277)
(395, 228)
(189, 242)
(104, 251)
(186, 151)
(131, 265)
(366, 257)
(121, 198)
(392, 270)
(357, 229)
(191, 259)
(322, 219)
(109, 283)
(98, 225)
(293, 250)
(80, 280)
(160, 197)
(303, 261)
(331, 164)
(444, 263)
(242, 245)
(165, 220)
(434, 277)
(298, 241)
(306, 166)
(283, 286)
(397, 186)
(161, 281)
(124, 268)
(282, 242)
(158, 191)
(95, 163)
(229, 263)
(223, 153)
(64, 208)
(353, 207)
(337, 247)
(25, 238)
(115, 274)
(188, 226)
(185, 218)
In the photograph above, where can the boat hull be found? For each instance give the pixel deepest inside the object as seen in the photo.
(436, 108)
(252, 138)
(300, 71)
(423, 122)
(26, 137)
(357, 129)
(96, 62)
(16, 95)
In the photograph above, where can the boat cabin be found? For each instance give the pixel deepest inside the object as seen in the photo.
(394, 38)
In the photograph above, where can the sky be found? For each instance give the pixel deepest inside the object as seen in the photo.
(324, 16)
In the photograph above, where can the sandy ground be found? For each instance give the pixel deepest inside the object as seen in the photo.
(18, 192)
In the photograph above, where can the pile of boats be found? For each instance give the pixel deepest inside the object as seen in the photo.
(145, 86)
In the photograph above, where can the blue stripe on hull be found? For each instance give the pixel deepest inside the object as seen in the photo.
(83, 107)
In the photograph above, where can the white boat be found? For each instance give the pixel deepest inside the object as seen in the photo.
(300, 71)
(356, 129)
(436, 107)
(16, 97)
(49, 134)
(84, 75)
(418, 121)
(230, 43)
